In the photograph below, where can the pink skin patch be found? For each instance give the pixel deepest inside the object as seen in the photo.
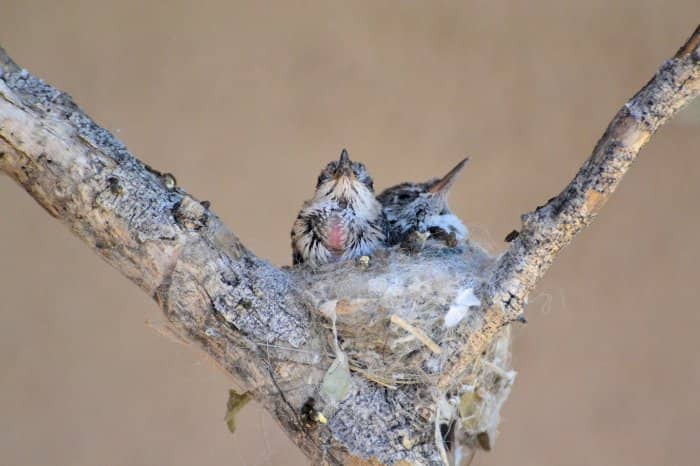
(335, 240)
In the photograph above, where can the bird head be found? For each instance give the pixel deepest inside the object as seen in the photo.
(344, 180)
(429, 198)
(439, 188)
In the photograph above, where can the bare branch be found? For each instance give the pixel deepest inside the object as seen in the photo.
(551, 227)
(240, 309)
(253, 319)
(264, 326)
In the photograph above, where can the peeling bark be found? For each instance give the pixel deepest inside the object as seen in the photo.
(255, 320)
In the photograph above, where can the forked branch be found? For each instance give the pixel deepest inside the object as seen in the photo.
(255, 320)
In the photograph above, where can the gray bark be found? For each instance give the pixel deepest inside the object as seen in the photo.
(261, 323)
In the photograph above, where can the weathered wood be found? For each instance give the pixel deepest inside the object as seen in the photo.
(552, 226)
(249, 316)
(258, 322)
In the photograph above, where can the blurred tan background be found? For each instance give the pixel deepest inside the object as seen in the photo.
(245, 102)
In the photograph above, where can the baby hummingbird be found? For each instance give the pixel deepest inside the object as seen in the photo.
(343, 220)
(420, 210)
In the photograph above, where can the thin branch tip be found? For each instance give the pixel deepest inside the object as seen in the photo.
(692, 45)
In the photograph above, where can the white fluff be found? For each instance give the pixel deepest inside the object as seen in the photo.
(464, 300)
(449, 223)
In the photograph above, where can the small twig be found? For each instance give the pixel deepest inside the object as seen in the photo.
(416, 332)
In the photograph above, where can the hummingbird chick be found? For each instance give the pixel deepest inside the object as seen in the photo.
(416, 211)
(343, 220)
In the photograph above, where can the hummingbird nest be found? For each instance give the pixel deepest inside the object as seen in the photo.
(393, 320)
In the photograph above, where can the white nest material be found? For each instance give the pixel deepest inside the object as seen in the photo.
(394, 319)
(394, 315)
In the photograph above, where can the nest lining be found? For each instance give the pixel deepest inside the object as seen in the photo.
(389, 315)
(387, 322)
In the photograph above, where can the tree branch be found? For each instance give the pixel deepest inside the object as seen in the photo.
(552, 226)
(265, 326)
(240, 309)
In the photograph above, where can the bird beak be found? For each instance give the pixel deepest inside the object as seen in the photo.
(344, 164)
(443, 185)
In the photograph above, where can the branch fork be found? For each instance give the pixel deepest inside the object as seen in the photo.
(261, 324)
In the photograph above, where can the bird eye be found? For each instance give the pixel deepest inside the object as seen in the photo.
(322, 178)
